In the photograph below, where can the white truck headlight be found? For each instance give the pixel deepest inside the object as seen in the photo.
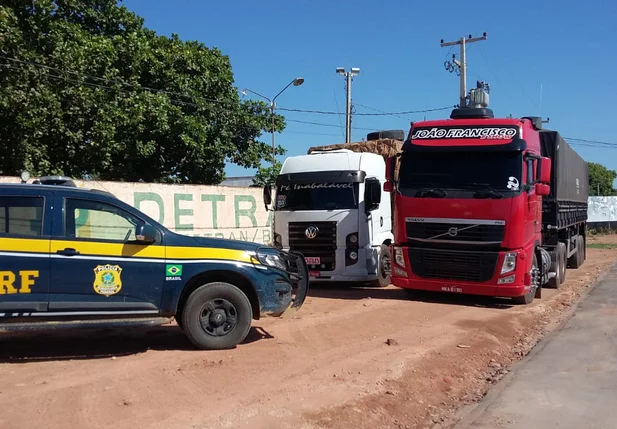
(509, 263)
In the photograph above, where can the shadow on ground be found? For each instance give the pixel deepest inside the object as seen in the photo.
(98, 343)
(394, 293)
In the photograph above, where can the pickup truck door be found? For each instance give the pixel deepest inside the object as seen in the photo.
(97, 266)
(24, 251)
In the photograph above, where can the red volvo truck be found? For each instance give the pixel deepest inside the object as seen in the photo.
(486, 206)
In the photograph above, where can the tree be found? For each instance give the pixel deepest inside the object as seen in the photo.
(601, 178)
(87, 90)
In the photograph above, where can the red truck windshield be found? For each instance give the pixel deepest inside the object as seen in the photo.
(498, 170)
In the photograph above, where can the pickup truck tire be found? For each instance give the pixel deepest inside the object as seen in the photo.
(217, 316)
(384, 266)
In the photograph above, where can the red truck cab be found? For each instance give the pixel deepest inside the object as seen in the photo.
(468, 206)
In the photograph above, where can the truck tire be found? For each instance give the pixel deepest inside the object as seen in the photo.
(564, 260)
(556, 268)
(384, 267)
(386, 134)
(576, 260)
(529, 297)
(217, 316)
(559, 266)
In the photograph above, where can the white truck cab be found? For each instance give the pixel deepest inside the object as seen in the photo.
(331, 207)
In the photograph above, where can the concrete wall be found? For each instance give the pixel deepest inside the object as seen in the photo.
(210, 211)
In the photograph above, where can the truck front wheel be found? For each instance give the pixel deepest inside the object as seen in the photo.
(217, 316)
(535, 284)
(384, 268)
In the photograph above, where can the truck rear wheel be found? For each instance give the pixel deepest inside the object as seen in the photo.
(535, 284)
(217, 316)
(576, 260)
(384, 268)
(558, 266)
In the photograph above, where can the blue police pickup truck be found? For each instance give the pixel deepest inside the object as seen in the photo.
(69, 254)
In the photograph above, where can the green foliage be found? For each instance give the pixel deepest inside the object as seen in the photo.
(600, 176)
(267, 173)
(96, 94)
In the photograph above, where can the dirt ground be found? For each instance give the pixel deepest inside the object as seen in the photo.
(351, 358)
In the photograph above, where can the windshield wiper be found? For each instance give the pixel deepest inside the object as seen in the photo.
(431, 192)
(489, 192)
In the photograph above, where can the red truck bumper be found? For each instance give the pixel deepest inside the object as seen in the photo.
(453, 286)
(509, 284)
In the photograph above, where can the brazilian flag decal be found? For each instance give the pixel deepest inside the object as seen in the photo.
(173, 270)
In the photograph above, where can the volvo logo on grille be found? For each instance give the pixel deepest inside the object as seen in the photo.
(453, 232)
(311, 232)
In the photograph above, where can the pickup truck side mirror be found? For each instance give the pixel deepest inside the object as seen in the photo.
(145, 233)
(372, 194)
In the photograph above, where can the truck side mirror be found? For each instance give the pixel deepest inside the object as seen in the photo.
(372, 194)
(544, 170)
(542, 189)
(267, 195)
(145, 233)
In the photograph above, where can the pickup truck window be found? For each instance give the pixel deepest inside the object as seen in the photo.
(98, 221)
(21, 215)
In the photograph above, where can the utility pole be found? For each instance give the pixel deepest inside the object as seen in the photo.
(348, 78)
(461, 66)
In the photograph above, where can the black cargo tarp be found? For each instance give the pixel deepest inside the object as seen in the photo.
(567, 202)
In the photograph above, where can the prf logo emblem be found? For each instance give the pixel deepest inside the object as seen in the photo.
(453, 232)
(311, 232)
(107, 280)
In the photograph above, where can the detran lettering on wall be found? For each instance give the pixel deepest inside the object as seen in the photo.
(196, 210)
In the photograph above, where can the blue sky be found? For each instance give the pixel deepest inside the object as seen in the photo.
(554, 59)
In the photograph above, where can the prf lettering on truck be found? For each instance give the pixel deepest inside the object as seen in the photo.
(24, 286)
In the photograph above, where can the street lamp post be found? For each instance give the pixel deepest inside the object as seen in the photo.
(296, 82)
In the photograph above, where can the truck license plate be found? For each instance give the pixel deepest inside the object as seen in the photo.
(312, 260)
(452, 289)
(313, 273)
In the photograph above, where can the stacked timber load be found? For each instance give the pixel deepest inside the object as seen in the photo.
(383, 147)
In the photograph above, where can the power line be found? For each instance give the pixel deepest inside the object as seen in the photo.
(576, 141)
(177, 94)
(321, 124)
(106, 80)
(407, 112)
(591, 141)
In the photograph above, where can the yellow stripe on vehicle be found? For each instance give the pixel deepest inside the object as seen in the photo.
(24, 245)
(88, 248)
(110, 249)
(208, 253)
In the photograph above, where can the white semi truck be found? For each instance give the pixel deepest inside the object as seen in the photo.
(330, 205)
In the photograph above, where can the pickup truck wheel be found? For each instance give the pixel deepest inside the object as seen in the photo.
(384, 270)
(535, 282)
(217, 316)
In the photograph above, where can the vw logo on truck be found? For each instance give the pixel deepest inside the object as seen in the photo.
(311, 232)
